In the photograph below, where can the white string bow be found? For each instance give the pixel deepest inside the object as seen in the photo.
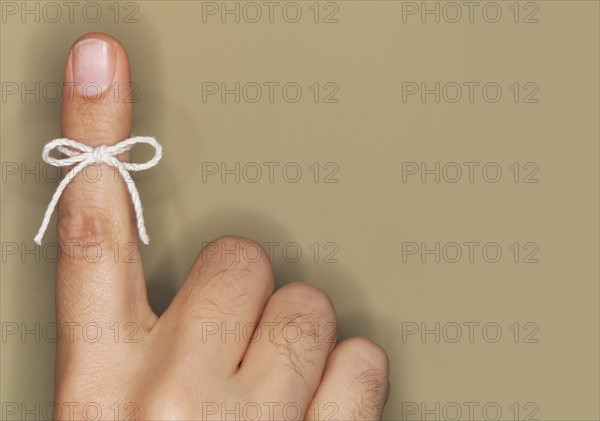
(84, 155)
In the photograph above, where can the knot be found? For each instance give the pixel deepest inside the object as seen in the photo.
(84, 155)
(99, 154)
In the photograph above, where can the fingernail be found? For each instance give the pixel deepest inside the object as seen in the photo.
(94, 63)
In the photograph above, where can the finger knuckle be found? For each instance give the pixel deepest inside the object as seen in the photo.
(371, 379)
(85, 233)
(315, 301)
(240, 258)
(367, 356)
(237, 252)
(302, 328)
(225, 276)
(371, 392)
(296, 341)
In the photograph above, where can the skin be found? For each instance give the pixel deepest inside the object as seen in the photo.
(283, 363)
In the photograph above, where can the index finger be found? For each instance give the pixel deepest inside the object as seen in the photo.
(99, 273)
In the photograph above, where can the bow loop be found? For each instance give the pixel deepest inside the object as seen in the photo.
(129, 143)
(74, 151)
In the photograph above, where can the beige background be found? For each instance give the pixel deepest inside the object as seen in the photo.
(370, 212)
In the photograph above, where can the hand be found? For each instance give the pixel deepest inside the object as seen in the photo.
(228, 347)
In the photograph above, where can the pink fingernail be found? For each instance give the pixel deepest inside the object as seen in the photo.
(94, 63)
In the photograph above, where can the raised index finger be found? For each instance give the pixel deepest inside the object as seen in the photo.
(99, 274)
